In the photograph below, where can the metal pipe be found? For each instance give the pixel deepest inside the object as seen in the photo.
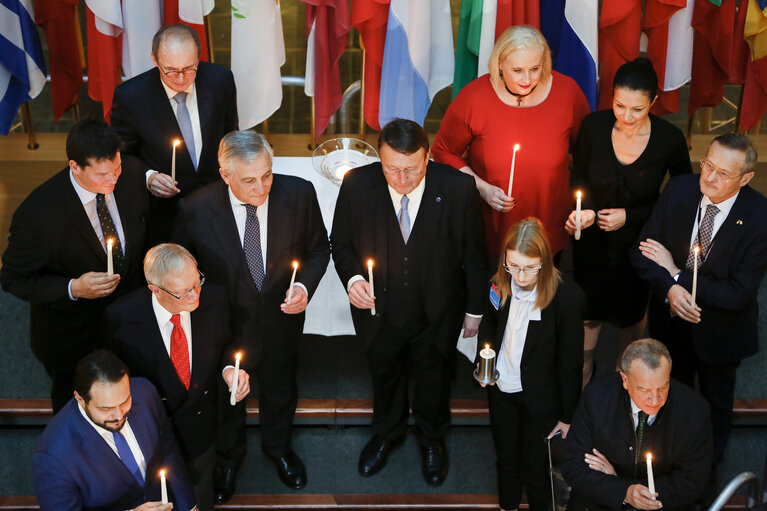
(343, 112)
(747, 478)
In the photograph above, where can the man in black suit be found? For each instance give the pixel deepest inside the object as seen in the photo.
(624, 417)
(180, 99)
(246, 232)
(57, 252)
(172, 333)
(421, 224)
(719, 213)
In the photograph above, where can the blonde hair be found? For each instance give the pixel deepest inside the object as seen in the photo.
(513, 39)
(528, 237)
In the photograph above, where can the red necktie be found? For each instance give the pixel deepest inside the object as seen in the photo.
(179, 351)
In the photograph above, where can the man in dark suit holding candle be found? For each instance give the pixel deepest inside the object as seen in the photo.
(180, 99)
(718, 212)
(421, 224)
(56, 256)
(246, 231)
(623, 417)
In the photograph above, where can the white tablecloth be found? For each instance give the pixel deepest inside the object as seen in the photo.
(328, 311)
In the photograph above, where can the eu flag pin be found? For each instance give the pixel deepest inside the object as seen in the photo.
(439, 199)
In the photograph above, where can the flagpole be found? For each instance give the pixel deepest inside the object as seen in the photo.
(26, 122)
(736, 128)
(362, 94)
(313, 134)
(209, 41)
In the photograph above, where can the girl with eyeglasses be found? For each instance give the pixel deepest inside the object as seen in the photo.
(534, 322)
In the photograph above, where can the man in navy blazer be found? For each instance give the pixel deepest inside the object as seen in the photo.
(180, 99)
(106, 448)
(141, 331)
(57, 252)
(708, 334)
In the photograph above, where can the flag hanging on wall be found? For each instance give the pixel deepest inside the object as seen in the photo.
(192, 13)
(620, 26)
(754, 104)
(370, 17)
(476, 38)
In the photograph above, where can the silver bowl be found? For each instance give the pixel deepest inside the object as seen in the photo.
(334, 158)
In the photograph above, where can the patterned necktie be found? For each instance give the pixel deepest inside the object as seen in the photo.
(640, 436)
(126, 456)
(179, 351)
(109, 231)
(185, 125)
(404, 218)
(252, 246)
(705, 233)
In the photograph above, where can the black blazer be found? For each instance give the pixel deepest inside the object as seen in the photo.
(552, 359)
(205, 226)
(679, 440)
(728, 280)
(133, 335)
(452, 260)
(51, 242)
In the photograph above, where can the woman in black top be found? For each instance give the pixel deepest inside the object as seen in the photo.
(620, 162)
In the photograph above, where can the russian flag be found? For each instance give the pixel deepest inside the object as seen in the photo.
(418, 58)
(570, 27)
(22, 68)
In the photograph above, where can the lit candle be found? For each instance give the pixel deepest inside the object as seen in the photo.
(176, 142)
(696, 250)
(163, 487)
(370, 281)
(513, 162)
(650, 478)
(578, 215)
(110, 261)
(486, 372)
(341, 170)
(292, 281)
(235, 379)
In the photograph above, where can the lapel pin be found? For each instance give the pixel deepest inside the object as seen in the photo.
(439, 199)
(739, 222)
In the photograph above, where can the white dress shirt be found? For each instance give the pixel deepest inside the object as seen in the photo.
(109, 438)
(635, 415)
(522, 310)
(166, 327)
(88, 200)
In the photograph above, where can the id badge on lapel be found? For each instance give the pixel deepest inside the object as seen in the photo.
(495, 298)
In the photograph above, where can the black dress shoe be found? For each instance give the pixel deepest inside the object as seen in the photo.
(434, 462)
(291, 470)
(375, 453)
(223, 483)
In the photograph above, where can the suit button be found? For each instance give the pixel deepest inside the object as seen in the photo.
(631, 448)
(405, 258)
(404, 284)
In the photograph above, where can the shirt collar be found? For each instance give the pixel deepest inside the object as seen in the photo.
(84, 195)
(724, 207)
(171, 93)
(635, 411)
(529, 296)
(414, 196)
(237, 202)
(163, 315)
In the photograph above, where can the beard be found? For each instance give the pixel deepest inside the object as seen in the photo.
(112, 426)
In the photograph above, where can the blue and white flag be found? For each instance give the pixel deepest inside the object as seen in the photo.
(571, 31)
(22, 68)
(418, 58)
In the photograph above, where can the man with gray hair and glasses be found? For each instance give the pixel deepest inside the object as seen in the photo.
(173, 333)
(246, 232)
(703, 252)
(628, 417)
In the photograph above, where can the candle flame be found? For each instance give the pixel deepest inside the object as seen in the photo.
(176, 142)
(238, 355)
(579, 194)
(162, 473)
(110, 242)
(516, 147)
(370, 264)
(696, 249)
(295, 265)
(649, 457)
(487, 346)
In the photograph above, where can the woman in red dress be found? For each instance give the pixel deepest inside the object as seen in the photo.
(522, 101)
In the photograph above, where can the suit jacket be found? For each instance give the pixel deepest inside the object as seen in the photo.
(679, 440)
(728, 280)
(134, 336)
(452, 260)
(143, 117)
(205, 225)
(552, 359)
(52, 241)
(73, 468)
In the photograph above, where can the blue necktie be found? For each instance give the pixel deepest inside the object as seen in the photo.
(185, 125)
(252, 246)
(404, 218)
(126, 455)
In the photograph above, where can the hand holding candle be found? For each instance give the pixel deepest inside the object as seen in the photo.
(578, 215)
(163, 487)
(650, 478)
(370, 281)
(176, 142)
(292, 281)
(235, 380)
(513, 163)
(696, 250)
(110, 260)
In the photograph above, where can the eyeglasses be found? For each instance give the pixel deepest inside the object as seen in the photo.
(404, 172)
(708, 167)
(513, 270)
(189, 293)
(175, 73)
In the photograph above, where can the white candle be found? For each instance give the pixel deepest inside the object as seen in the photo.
(370, 281)
(163, 488)
(235, 380)
(650, 478)
(487, 363)
(696, 249)
(173, 160)
(578, 215)
(110, 261)
(513, 163)
(292, 281)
